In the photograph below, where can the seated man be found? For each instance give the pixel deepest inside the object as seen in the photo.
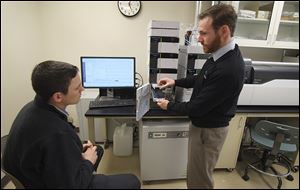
(43, 149)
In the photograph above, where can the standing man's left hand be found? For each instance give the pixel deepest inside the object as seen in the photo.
(163, 103)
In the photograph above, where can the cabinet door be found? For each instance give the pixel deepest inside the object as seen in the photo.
(286, 29)
(254, 24)
(229, 154)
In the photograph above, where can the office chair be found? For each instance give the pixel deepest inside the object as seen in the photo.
(7, 178)
(273, 139)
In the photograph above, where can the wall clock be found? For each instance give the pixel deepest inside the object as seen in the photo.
(129, 8)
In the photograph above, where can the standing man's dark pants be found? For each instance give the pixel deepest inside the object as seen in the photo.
(205, 145)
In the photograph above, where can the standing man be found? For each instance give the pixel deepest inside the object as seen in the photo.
(43, 150)
(215, 94)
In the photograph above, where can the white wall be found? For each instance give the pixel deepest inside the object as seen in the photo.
(21, 49)
(32, 32)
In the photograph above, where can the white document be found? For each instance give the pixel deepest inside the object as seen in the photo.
(142, 100)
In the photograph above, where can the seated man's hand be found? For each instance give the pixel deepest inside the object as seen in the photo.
(86, 145)
(90, 154)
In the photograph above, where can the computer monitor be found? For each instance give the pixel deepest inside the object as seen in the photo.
(108, 72)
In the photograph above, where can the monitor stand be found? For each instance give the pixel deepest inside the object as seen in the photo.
(105, 94)
(119, 93)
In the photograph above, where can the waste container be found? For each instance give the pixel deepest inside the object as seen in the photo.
(123, 140)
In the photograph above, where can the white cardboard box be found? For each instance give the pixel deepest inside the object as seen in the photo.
(166, 75)
(168, 47)
(164, 24)
(169, 63)
(199, 63)
(163, 32)
(195, 49)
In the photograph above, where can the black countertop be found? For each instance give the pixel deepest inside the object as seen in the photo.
(129, 111)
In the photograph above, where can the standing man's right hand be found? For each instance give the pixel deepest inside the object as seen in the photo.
(165, 83)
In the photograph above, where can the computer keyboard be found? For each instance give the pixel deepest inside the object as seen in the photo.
(112, 103)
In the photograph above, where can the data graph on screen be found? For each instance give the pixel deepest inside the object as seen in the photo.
(108, 72)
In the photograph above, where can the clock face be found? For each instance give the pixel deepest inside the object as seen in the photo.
(129, 8)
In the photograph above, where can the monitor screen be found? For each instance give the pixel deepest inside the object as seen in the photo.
(108, 72)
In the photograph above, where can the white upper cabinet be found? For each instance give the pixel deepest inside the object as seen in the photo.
(286, 29)
(272, 24)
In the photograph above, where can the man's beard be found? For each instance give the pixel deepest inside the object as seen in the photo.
(214, 46)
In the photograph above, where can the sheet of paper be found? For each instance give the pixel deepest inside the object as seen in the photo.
(142, 100)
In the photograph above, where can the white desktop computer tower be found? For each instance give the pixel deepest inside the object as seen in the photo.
(163, 148)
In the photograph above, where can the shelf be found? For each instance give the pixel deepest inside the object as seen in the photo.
(253, 20)
(289, 22)
(262, 31)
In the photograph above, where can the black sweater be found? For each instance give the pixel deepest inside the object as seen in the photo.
(44, 151)
(215, 91)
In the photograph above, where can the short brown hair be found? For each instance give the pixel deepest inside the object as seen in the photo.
(50, 76)
(221, 14)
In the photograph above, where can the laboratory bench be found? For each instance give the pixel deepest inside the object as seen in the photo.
(149, 146)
